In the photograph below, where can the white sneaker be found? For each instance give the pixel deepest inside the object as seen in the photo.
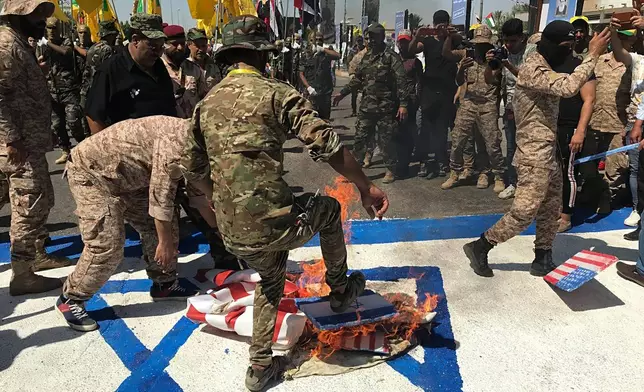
(633, 219)
(508, 193)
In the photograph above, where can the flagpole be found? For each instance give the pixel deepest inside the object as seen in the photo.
(217, 23)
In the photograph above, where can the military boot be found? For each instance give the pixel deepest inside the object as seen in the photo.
(477, 252)
(45, 261)
(542, 263)
(63, 157)
(465, 175)
(30, 283)
(340, 301)
(258, 377)
(367, 160)
(451, 181)
(389, 177)
(499, 184)
(483, 181)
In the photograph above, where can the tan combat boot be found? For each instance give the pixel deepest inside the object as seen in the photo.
(499, 184)
(389, 177)
(483, 182)
(45, 261)
(30, 283)
(367, 160)
(451, 182)
(63, 158)
(465, 175)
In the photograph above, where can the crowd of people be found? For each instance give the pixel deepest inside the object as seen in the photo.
(166, 122)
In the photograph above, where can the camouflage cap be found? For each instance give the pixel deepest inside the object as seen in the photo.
(107, 27)
(376, 28)
(245, 32)
(25, 7)
(482, 35)
(150, 25)
(195, 34)
(52, 22)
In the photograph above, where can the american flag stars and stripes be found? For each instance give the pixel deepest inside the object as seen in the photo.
(579, 269)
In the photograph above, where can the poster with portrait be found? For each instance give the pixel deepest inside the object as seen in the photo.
(561, 10)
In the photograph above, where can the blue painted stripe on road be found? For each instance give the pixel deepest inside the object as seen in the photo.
(151, 375)
(440, 370)
(372, 232)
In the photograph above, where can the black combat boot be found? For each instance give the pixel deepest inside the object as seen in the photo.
(477, 253)
(542, 263)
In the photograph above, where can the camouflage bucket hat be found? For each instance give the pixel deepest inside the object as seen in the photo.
(106, 28)
(25, 7)
(245, 32)
(150, 25)
(482, 35)
(195, 34)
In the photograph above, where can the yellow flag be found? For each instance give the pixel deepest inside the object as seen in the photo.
(202, 9)
(154, 7)
(89, 5)
(92, 22)
(58, 13)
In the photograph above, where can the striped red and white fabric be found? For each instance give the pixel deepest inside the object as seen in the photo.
(374, 342)
(579, 269)
(230, 307)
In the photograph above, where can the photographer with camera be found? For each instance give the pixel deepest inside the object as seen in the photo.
(478, 108)
(506, 61)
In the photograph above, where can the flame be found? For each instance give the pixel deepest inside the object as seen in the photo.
(347, 195)
(312, 282)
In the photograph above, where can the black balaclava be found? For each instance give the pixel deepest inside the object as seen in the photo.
(553, 35)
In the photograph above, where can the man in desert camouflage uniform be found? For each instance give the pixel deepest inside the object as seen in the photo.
(381, 76)
(539, 187)
(188, 80)
(478, 110)
(25, 137)
(198, 46)
(64, 82)
(241, 164)
(141, 192)
(97, 54)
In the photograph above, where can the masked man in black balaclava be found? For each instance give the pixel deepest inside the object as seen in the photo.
(539, 186)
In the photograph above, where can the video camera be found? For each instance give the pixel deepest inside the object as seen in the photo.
(500, 54)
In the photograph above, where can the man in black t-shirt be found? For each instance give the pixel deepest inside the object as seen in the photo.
(574, 116)
(438, 88)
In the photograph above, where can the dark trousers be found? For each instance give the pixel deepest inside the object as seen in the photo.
(570, 172)
(322, 104)
(438, 113)
(640, 183)
(406, 137)
(66, 118)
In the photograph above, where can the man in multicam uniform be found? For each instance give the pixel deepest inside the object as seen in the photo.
(539, 186)
(235, 153)
(381, 76)
(189, 81)
(25, 137)
(97, 54)
(198, 46)
(64, 82)
(125, 174)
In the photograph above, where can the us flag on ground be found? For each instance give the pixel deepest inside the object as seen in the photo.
(579, 269)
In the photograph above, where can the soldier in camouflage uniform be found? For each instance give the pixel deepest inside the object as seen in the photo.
(381, 76)
(316, 75)
(198, 46)
(478, 107)
(539, 187)
(25, 137)
(141, 192)
(64, 82)
(97, 54)
(277, 61)
(241, 164)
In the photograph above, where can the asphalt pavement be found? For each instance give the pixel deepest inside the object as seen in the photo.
(409, 198)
